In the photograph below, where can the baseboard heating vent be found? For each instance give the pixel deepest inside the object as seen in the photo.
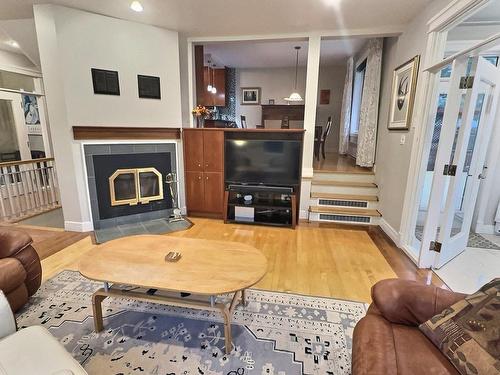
(356, 219)
(343, 203)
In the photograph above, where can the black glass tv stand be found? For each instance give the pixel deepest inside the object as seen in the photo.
(259, 204)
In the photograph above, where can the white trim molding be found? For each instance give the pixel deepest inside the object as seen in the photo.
(454, 13)
(390, 231)
(75, 226)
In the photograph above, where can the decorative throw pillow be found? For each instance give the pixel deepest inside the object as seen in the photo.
(468, 332)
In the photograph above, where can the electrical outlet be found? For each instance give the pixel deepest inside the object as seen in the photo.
(402, 140)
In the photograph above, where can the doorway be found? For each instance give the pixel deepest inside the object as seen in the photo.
(14, 140)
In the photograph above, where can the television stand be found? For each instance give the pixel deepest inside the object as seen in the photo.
(270, 205)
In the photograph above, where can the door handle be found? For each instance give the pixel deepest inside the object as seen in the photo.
(199, 177)
(207, 177)
(482, 175)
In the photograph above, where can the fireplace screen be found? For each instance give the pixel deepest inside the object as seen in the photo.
(136, 185)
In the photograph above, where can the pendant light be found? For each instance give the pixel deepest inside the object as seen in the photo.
(214, 89)
(295, 96)
(209, 87)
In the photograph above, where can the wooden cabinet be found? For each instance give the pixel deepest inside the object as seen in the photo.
(213, 150)
(204, 176)
(193, 150)
(204, 76)
(215, 77)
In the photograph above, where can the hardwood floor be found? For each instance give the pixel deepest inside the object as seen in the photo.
(324, 259)
(338, 163)
(48, 241)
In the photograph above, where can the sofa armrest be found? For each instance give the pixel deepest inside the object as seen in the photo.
(7, 320)
(12, 242)
(410, 303)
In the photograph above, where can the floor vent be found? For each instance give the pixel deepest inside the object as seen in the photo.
(356, 219)
(343, 203)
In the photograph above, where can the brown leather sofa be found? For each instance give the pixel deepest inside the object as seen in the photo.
(387, 340)
(20, 269)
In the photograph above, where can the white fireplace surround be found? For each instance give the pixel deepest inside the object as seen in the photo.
(88, 226)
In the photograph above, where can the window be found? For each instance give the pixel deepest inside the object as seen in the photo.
(357, 95)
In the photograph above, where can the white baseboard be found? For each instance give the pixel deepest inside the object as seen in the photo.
(390, 231)
(304, 214)
(484, 228)
(77, 226)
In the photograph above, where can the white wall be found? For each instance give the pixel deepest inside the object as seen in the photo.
(333, 78)
(71, 42)
(275, 83)
(392, 159)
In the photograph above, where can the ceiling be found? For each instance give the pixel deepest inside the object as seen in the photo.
(243, 17)
(5, 39)
(277, 54)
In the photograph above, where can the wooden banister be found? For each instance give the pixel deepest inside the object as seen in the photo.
(27, 188)
(22, 162)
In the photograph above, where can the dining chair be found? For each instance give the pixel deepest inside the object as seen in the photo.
(285, 122)
(243, 122)
(320, 137)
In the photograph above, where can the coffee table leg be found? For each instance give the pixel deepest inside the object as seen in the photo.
(244, 297)
(97, 309)
(226, 313)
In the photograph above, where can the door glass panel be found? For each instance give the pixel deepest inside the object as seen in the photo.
(33, 126)
(9, 145)
(464, 176)
(431, 163)
(16, 81)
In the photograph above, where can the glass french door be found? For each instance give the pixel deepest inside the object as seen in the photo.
(14, 143)
(467, 124)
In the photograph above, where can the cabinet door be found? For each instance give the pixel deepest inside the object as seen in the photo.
(195, 191)
(213, 150)
(193, 150)
(220, 83)
(214, 193)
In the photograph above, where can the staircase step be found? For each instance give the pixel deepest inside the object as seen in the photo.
(344, 183)
(345, 211)
(345, 197)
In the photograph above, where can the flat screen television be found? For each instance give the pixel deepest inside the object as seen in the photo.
(265, 162)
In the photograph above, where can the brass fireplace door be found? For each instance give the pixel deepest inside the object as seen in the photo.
(135, 185)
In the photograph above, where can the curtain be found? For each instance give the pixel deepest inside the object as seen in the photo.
(345, 115)
(368, 118)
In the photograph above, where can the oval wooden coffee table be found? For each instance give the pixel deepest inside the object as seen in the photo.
(205, 268)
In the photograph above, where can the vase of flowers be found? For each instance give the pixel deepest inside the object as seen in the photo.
(200, 113)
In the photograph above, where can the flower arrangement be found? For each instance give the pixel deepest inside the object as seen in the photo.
(201, 111)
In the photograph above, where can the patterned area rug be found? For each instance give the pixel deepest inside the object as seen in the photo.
(276, 334)
(475, 239)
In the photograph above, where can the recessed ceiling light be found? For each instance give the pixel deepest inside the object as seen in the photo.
(136, 6)
(13, 43)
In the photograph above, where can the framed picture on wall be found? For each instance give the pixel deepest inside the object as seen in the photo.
(324, 97)
(404, 84)
(250, 95)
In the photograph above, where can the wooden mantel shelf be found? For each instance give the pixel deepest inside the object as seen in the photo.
(120, 132)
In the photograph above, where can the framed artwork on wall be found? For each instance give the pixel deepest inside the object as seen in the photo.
(250, 95)
(149, 87)
(324, 97)
(404, 84)
(105, 82)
